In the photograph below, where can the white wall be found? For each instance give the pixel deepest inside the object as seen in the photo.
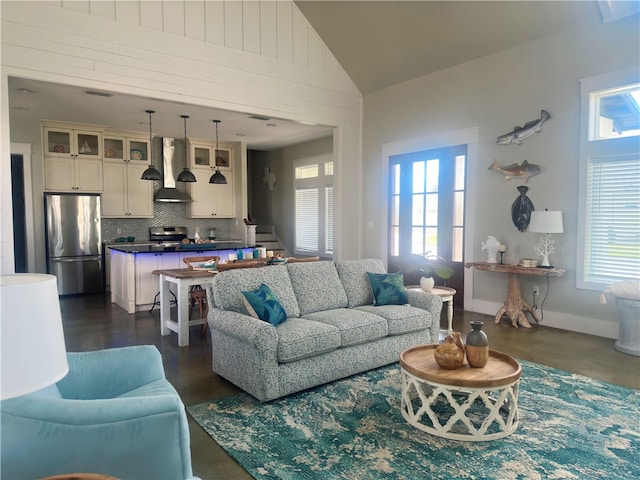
(257, 57)
(494, 94)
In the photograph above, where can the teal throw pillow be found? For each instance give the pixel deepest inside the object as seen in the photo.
(263, 304)
(388, 288)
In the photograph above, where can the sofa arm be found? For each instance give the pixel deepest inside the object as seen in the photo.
(244, 328)
(112, 372)
(426, 301)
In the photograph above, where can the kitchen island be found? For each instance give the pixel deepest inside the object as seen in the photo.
(134, 286)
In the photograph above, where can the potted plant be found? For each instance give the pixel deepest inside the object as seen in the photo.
(429, 266)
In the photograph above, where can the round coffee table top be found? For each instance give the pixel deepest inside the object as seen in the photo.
(500, 369)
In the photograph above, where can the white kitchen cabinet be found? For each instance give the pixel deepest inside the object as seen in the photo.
(147, 284)
(211, 200)
(133, 285)
(126, 195)
(72, 158)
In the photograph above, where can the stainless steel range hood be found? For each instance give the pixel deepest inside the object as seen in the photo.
(169, 193)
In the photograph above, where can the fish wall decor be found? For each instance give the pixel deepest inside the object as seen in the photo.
(521, 209)
(524, 170)
(520, 133)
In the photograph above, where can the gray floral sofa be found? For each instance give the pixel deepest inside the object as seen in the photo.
(332, 329)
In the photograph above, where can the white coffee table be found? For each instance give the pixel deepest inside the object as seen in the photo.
(471, 404)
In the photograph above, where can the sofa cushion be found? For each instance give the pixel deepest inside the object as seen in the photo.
(227, 287)
(355, 326)
(353, 275)
(300, 338)
(317, 286)
(388, 288)
(401, 318)
(263, 304)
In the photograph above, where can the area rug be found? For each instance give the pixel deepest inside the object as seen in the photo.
(571, 427)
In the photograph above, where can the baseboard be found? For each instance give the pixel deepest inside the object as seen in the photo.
(563, 321)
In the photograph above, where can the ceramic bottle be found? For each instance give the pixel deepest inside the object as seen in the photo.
(477, 347)
(448, 355)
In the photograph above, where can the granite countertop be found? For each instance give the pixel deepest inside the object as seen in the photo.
(188, 247)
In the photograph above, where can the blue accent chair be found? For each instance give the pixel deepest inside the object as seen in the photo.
(114, 413)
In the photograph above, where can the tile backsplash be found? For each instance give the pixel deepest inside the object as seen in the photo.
(165, 214)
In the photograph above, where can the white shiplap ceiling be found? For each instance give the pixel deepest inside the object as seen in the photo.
(379, 44)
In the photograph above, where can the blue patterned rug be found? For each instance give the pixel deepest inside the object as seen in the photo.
(571, 427)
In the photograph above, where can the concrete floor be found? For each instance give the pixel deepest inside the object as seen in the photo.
(91, 322)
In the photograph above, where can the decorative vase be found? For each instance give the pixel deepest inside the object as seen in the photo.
(477, 348)
(427, 283)
(457, 339)
(448, 355)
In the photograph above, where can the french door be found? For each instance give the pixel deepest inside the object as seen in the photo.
(426, 212)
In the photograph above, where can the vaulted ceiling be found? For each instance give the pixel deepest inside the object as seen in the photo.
(383, 43)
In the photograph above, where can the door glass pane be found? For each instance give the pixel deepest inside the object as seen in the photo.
(418, 177)
(459, 172)
(395, 210)
(395, 179)
(431, 241)
(433, 172)
(431, 217)
(417, 210)
(456, 253)
(458, 209)
(394, 241)
(308, 171)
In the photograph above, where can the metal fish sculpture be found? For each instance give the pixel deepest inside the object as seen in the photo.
(524, 170)
(520, 133)
(521, 209)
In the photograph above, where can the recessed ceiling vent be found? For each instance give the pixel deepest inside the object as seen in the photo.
(98, 94)
(260, 117)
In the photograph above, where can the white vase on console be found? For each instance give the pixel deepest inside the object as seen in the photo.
(427, 283)
(491, 246)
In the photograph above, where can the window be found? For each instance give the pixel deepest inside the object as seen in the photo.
(609, 208)
(313, 183)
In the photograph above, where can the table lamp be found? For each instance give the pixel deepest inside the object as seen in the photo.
(545, 222)
(33, 351)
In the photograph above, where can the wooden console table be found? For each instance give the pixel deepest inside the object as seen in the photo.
(515, 307)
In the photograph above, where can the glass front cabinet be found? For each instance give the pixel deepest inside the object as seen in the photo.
(126, 195)
(72, 157)
(212, 200)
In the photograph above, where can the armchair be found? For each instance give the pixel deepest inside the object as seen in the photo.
(114, 413)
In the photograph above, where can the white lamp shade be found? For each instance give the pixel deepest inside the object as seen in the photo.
(33, 352)
(546, 221)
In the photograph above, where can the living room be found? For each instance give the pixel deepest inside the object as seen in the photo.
(476, 101)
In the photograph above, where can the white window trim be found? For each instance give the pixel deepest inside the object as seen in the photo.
(589, 149)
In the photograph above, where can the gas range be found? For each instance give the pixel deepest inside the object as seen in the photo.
(167, 236)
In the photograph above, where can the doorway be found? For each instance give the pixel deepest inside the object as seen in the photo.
(22, 208)
(426, 213)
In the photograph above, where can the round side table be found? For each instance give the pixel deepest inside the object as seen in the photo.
(447, 294)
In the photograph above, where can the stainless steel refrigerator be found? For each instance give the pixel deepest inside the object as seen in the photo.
(73, 239)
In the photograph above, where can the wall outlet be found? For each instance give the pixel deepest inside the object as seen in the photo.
(536, 290)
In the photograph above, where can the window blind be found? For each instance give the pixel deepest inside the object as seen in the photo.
(307, 219)
(612, 236)
(329, 220)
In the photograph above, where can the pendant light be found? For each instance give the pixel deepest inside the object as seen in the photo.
(151, 173)
(186, 175)
(217, 177)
